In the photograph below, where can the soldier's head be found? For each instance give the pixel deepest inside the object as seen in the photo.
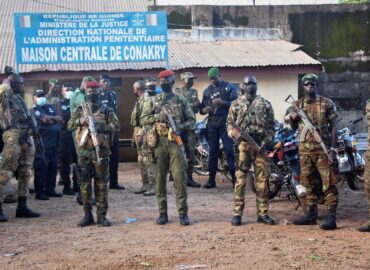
(85, 80)
(310, 84)
(151, 86)
(67, 91)
(105, 82)
(55, 87)
(248, 87)
(187, 79)
(214, 76)
(93, 92)
(166, 80)
(16, 83)
(139, 88)
(39, 97)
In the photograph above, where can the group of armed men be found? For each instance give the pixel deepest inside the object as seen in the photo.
(164, 137)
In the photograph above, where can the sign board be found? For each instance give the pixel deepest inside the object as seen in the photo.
(52, 38)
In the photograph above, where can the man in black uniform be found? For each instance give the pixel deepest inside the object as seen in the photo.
(46, 170)
(67, 148)
(109, 98)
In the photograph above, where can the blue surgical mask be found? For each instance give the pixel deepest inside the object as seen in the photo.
(41, 101)
(69, 94)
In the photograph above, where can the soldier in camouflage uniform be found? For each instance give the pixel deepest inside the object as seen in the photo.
(188, 136)
(19, 150)
(253, 114)
(322, 113)
(144, 152)
(366, 227)
(169, 154)
(54, 96)
(106, 123)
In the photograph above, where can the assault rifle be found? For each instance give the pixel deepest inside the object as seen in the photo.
(308, 127)
(175, 130)
(86, 108)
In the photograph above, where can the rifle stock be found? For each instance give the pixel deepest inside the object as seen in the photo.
(175, 130)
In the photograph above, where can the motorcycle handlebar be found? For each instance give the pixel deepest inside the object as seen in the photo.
(356, 121)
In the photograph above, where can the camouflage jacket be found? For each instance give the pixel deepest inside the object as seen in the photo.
(320, 113)
(13, 112)
(77, 99)
(177, 106)
(191, 96)
(106, 123)
(136, 112)
(256, 118)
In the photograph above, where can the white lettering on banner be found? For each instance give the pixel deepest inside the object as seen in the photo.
(62, 40)
(60, 32)
(153, 52)
(39, 54)
(83, 54)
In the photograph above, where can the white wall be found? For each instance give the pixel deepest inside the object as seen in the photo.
(243, 2)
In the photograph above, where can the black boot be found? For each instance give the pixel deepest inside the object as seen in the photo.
(330, 222)
(79, 199)
(210, 184)
(364, 228)
(67, 190)
(191, 183)
(265, 219)
(23, 211)
(42, 196)
(3, 218)
(184, 220)
(87, 220)
(162, 219)
(236, 221)
(103, 221)
(309, 218)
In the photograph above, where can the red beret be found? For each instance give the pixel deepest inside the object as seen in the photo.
(92, 84)
(166, 73)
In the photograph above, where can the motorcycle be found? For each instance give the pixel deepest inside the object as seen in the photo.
(351, 164)
(202, 152)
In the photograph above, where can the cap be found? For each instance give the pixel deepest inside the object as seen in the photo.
(188, 75)
(104, 77)
(213, 72)
(310, 77)
(88, 79)
(39, 93)
(150, 81)
(53, 80)
(92, 84)
(166, 73)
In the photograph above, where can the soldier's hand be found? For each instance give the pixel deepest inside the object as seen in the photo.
(218, 101)
(206, 110)
(83, 120)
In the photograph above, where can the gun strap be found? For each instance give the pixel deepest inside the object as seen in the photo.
(318, 112)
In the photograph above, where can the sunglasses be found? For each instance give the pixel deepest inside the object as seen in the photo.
(309, 83)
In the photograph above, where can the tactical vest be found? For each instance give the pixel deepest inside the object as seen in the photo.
(13, 112)
(189, 94)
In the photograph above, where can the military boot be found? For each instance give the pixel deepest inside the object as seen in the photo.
(143, 189)
(67, 190)
(191, 183)
(79, 199)
(87, 220)
(236, 221)
(104, 222)
(210, 184)
(162, 219)
(3, 218)
(23, 211)
(151, 191)
(364, 228)
(330, 222)
(309, 218)
(184, 220)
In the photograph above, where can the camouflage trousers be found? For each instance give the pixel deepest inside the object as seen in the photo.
(146, 165)
(90, 168)
(18, 157)
(168, 155)
(189, 144)
(309, 164)
(247, 157)
(367, 179)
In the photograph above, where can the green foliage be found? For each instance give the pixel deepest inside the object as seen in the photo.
(353, 1)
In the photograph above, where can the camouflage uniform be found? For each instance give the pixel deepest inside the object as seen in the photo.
(144, 152)
(311, 154)
(106, 124)
(167, 154)
(188, 136)
(19, 150)
(256, 118)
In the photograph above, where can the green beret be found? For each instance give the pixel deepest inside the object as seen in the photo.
(53, 80)
(213, 72)
(310, 77)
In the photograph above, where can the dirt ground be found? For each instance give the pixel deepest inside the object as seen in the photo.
(55, 242)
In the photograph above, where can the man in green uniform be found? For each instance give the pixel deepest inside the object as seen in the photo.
(188, 136)
(94, 161)
(140, 136)
(19, 150)
(169, 152)
(321, 111)
(366, 227)
(253, 114)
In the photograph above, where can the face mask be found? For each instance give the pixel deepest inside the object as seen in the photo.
(250, 91)
(166, 87)
(41, 101)
(68, 94)
(93, 98)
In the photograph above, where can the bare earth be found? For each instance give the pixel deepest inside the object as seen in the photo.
(55, 242)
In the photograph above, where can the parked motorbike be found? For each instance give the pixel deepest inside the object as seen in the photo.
(351, 164)
(202, 152)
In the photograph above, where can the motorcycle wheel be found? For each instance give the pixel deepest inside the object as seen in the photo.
(223, 167)
(352, 178)
(201, 167)
(273, 186)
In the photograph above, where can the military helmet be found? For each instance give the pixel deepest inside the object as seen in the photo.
(310, 77)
